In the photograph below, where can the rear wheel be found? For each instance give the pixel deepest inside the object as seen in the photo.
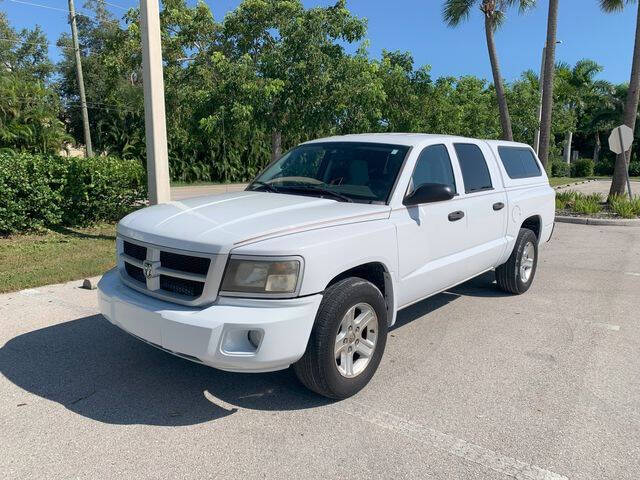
(516, 275)
(347, 341)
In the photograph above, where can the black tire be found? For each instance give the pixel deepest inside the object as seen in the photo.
(508, 274)
(317, 369)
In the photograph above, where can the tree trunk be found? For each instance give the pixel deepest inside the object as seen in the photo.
(505, 119)
(596, 149)
(568, 139)
(549, 71)
(276, 144)
(619, 182)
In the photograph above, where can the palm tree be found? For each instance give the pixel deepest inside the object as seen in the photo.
(547, 83)
(618, 184)
(579, 87)
(455, 11)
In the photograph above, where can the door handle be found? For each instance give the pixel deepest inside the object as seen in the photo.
(498, 206)
(455, 216)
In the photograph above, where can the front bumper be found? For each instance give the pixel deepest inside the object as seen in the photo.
(215, 335)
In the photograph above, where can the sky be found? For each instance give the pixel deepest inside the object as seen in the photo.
(410, 25)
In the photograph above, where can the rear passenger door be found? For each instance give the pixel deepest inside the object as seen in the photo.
(485, 203)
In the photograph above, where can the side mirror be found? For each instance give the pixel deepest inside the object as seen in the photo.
(429, 193)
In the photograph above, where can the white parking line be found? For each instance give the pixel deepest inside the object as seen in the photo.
(29, 292)
(633, 274)
(442, 441)
(608, 326)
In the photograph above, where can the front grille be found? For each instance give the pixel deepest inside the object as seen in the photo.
(135, 251)
(135, 272)
(181, 286)
(176, 276)
(185, 263)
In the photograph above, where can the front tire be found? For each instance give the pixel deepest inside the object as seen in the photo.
(516, 275)
(347, 340)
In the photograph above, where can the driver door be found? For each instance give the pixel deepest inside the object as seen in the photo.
(431, 237)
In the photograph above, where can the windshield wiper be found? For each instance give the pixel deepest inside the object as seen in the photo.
(321, 190)
(266, 185)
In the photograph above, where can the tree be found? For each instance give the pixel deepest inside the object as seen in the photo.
(455, 11)
(618, 184)
(297, 49)
(547, 84)
(575, 87)
(29, 107)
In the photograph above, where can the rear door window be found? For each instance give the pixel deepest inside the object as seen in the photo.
(519, 162)
(475, 172)
(434, 166)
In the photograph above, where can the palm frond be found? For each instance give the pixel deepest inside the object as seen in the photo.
(586, 69)
(613, 5)
(497, 19)
(523, 5)
(456, 11)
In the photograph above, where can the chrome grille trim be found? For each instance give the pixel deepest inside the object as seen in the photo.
(152, 285)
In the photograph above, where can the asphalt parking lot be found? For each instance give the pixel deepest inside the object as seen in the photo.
(473, 384)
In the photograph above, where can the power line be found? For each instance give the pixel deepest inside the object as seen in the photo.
(24, 42)
(118, 6)
(49, 7)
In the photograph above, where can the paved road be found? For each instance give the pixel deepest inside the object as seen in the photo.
(600, 186)
(180, 193)
(473, 385)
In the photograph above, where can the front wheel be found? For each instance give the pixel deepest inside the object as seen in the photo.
(516, 275)
(347, 340)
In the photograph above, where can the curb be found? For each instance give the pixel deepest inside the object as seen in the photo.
(567, 185)
(619, 222)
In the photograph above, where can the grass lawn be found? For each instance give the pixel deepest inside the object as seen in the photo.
(38, 259)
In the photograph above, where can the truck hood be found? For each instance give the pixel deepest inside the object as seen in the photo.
(218, 223)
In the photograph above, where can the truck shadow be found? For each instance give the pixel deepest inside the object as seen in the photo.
(96, 370)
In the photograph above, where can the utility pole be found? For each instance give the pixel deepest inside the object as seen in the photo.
(154, 113)
(83, 98)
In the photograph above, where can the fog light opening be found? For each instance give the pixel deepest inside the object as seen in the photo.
(255, 337)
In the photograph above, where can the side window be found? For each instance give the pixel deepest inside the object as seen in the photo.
(475, 172)
(433, 166)
(519, 162)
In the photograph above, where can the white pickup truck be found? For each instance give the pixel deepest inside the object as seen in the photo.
(310, 264)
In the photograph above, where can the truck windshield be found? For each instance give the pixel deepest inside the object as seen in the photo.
(343, 171)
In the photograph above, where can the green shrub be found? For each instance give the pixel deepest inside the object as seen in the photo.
(588, 204)
(564, 200)
(634, 169)
(101, 188)
(30, 193)
(624, 207)
(47, 191)
(604, 168)
(582, 168)
(560, 168)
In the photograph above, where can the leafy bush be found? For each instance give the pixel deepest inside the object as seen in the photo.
(604, 168)
(588, 204)
(47, 191)
(582, 168)
(624, 207)
(564, 200)
(101, 188)
(560, 168)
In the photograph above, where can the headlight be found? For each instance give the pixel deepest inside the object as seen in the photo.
(263, 277)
